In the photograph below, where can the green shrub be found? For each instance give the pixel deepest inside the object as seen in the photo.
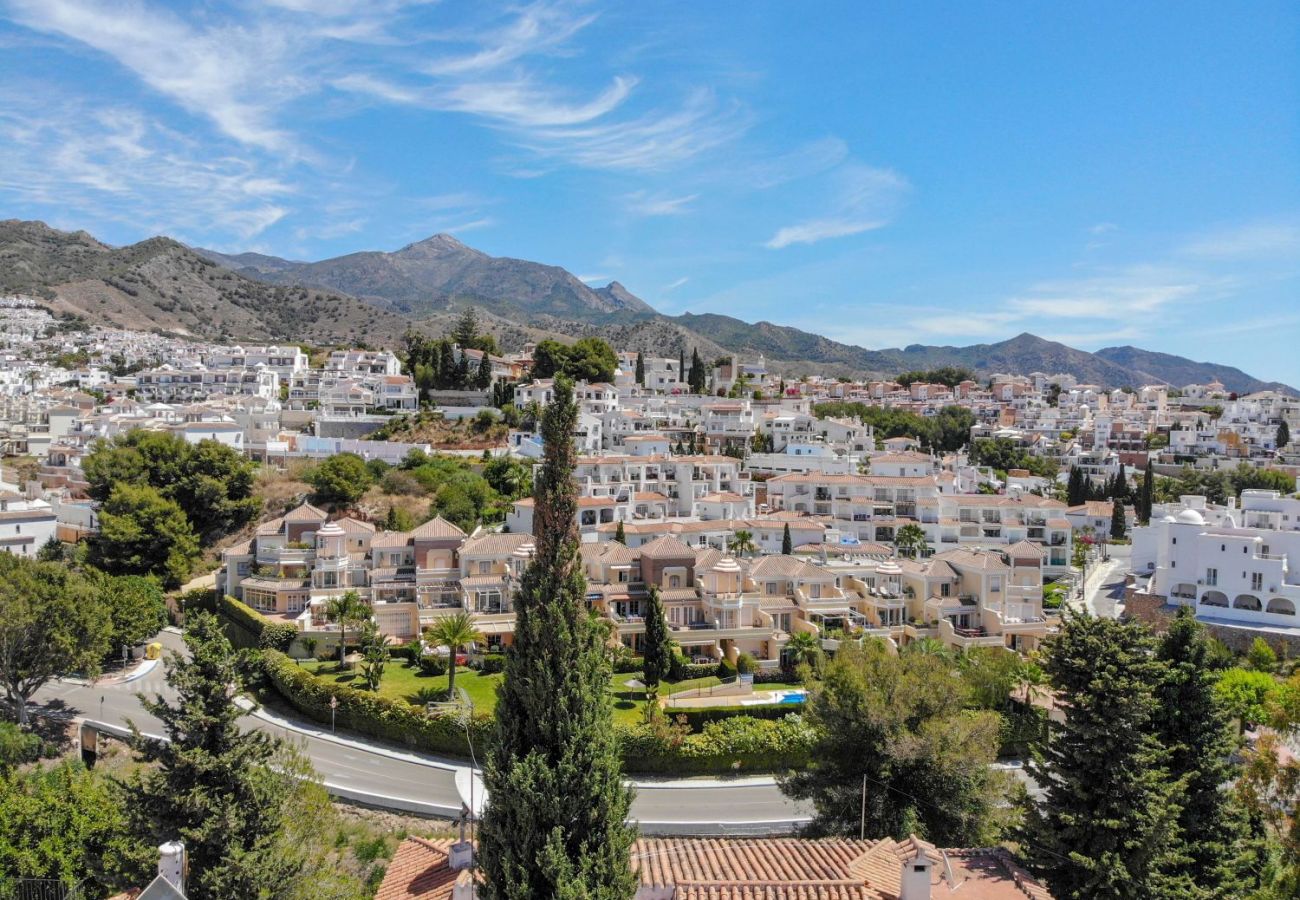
(725, 669)
(367, 713)
(691, 671)
(489, 663)
(277, 636)
(433, 664)
(696, 718)
(738, 744)
(746, 664)
(17, 746)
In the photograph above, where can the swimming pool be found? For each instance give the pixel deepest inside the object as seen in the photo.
(792, 697)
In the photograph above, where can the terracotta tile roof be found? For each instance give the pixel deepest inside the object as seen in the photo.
(435, 529)
(305, 513)
(495, 544)
(419, 871)
(354, 526)
(973, 559)
(666, 547)
(1026, 550)
(386, 540)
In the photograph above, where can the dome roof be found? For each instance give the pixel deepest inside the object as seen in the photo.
(889, 567)
(1169, 519)
(1190, 517)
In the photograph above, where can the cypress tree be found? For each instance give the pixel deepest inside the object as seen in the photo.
(1283, 434)
(658, 652)
(697, 375)
(556, 820)
(619, 534)
(483, 380)
(787, 544)
(640, 369)
(1106, 825)
(1074, 487)
(1196, 730)
(1119, 490)
(1118, 525)
(681, 365)
(1148, 489)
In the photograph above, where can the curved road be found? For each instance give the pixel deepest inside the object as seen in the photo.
(428, 785)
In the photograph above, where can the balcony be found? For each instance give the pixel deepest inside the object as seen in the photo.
(285, 556)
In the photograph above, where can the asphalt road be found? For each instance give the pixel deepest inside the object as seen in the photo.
(1103, 594)
(427, 785)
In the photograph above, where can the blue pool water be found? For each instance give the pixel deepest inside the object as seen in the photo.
(793, 697)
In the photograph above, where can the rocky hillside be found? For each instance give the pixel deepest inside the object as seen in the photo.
(161, 285)
(1164, 368)
(375, 297)
(440, 273)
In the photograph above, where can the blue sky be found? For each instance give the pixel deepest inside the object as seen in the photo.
(885, 174)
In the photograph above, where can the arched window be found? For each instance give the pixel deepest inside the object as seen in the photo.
(1281, 606)
(1247, 602)
(1215, 598)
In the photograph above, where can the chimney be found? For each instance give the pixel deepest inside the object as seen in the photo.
(460, 855)
(171, 864)
(915, 884)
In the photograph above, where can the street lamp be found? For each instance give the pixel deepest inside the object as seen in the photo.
(334, 704)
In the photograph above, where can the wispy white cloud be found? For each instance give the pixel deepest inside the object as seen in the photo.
(1103, 228)
(811, 158)
(1252, 241)
(234, 74)
(642, 203)
(117, 164)
(1135, 291)
(672, 286)
(594, 279)
(865, 199)
(537, 28)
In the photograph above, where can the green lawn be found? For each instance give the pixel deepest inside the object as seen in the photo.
(403, 683)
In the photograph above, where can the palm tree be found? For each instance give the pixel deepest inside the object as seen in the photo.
(346, 609)
(742, 543)
(910, 541)
(803, 647)
(453, 632)
(928, 646)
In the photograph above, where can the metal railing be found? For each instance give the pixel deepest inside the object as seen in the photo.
(45, 889)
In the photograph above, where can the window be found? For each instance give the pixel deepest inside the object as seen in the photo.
(1257, 581)
(484, 567)
(1212, 577)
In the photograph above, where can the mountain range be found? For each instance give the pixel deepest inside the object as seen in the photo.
(374, 297)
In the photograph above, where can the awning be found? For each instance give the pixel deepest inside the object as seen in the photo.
(486, 628)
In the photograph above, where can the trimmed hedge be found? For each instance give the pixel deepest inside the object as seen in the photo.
(489, 663)
(248, 623)
(367, 713)
(696, 718)
(739, 744)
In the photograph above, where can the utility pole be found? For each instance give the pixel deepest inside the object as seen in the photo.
(862, 816)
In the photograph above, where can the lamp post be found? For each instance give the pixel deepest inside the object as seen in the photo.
(334, 704)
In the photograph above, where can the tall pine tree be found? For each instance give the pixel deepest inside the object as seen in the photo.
(224, 791)
(640, 369)
(658, 648)
(556, 820)
(787, 544)
(1192, 724)
(1106, 825)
